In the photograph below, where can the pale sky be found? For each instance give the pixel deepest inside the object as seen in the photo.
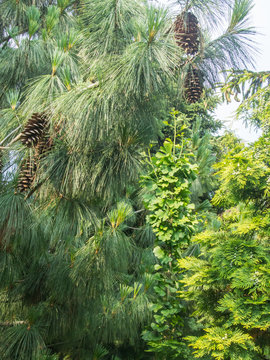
(259, 19)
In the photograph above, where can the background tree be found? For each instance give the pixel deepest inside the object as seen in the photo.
(227, 283)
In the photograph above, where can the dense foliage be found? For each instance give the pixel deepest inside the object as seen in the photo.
(171, 218)
(228, 282)
(119, 236)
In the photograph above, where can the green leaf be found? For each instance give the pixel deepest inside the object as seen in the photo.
(159, 253)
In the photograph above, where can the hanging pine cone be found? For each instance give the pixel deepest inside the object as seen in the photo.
(187, 32)
(26, 176)
(193, 86)
(34, 129)
(44, 145)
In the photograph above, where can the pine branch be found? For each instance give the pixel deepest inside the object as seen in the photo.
(14, 323)
(11, 133)
(12, 142)
(9, 37)
(96, 84)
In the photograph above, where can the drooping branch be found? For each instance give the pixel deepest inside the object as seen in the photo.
(12, 141)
